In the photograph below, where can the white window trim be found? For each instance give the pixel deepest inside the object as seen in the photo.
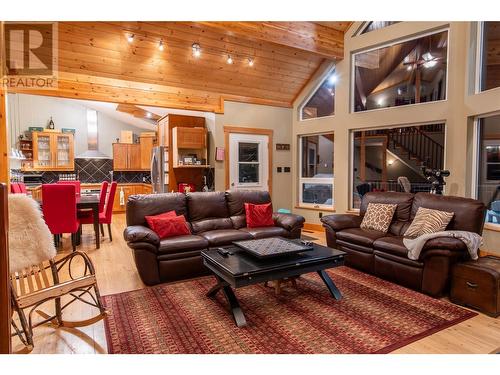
(324, 77)
(314, 180)
(388, 44)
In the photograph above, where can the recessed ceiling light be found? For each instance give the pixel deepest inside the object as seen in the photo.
(130, 38)
(229, 59)
(409, 67)
(250, 61)
(161, 47)
(196, 50)
(149, 115)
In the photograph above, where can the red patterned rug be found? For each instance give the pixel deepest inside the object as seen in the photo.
(375, 316)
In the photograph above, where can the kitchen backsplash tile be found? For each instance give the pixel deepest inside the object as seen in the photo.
(96, 171)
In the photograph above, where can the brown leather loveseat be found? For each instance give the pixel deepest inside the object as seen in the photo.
(385, 255)
(215, 219)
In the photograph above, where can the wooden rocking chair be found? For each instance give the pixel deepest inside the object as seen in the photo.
(48, 281)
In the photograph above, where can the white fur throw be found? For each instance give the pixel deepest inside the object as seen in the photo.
(30, 240)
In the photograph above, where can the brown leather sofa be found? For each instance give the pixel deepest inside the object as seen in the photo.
(384, 255)
(216, 219)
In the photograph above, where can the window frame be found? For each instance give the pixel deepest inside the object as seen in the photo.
(324, 77)
(315, 180)
(351, 152)
(390, 43)
(476, 150)
(478, 81)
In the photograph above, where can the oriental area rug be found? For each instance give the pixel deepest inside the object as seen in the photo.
(374, 316)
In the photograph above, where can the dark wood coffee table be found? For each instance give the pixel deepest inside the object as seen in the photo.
(239, 269)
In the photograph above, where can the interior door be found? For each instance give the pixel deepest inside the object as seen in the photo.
(248, 162)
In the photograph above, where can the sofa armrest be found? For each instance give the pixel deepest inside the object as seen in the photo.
(139, 233)
(289, 222)
(444, 246)
(339, 222)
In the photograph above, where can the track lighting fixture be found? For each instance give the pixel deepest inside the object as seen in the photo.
(229, 59)
(130, 38)
(250, 61)
(160, 46)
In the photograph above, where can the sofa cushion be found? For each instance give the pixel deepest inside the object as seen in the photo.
(239, 221)
(182, 244)
(392, 245)
(469, 213)
(236, 200)
(403, 200)
(266, 232)
(222, 237)
(363, 237)
(140, 206)
(211, 224)
(206, 205)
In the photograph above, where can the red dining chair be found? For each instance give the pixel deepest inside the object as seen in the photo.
(102, 202)
(75, 183)
(59, 210)
(15, 188)
(106, 216)
(22, 187)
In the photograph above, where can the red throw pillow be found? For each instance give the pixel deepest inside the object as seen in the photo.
(259, 215)
(168, 225)
(152, 219)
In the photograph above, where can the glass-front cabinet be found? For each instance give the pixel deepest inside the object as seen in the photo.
(53, 151)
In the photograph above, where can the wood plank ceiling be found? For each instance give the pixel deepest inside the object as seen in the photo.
(97, 62)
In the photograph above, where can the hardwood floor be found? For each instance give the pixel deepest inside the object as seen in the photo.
(116, 273)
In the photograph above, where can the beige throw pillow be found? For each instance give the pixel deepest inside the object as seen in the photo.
(428, 221)
(378, 216)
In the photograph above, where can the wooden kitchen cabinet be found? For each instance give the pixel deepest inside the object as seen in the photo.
(134, 157)
(146, 144)
(128, 190)
(126, 157)
(53, 151)
(194, 138)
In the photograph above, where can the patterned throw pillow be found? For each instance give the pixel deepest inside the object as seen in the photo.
(378, 216)
(428, 221)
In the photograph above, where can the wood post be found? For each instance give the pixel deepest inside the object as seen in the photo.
(362, 158)
(5, 312)
(4, 149)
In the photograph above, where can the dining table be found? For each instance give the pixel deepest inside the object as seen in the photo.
(89, 202)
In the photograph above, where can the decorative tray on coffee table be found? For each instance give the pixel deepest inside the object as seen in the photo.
(272, 247)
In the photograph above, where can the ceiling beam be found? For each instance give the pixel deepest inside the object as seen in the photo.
(311, 37)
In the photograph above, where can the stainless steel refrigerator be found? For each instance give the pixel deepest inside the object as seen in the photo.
(159, 170)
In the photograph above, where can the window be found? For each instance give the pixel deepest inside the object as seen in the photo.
(316, 174)
(248, 162)
(488, 166)
(322, 102)
(376, 25)
(490, 56)
(391, 159)
(409, 72)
